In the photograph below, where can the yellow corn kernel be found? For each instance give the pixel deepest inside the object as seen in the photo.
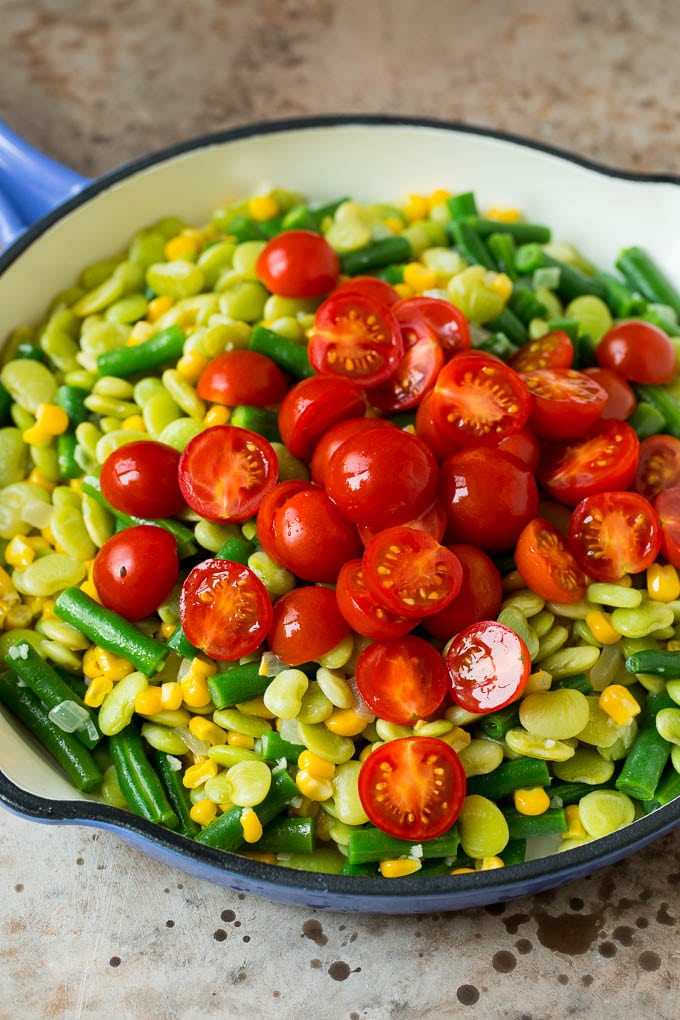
(168, 629)
(6, 586)
(673, 646)
(575, 828)
(261, 856)
(399, 867)
(36, 477)
(97, 690)
(19, 552)
(601, 628)
(197, 774)
(251, 825)
(135, 423)
(17, 616)
(312, 786)
(532, 802)
(191, 365)
(140, 332)
(263, 207)
(419, 277)
(416, 208)
(171, 696)
(489, 864)
(159, 306)
(181, 246)
(619, 704)
(149, 702)
(462, 871)
(207, 730)
(458, 738)
(538, 681)
(663, 583)
(203, 811)
(97, 661)
(50, 420)
(497, 212)
(47, 608)
(438, 197)
(240, 740)
(218, 414)
(403, 290)
(316, 766)
(88, 586)
(346, 722)
(195, 690)
(501, 284)
(76, 484)
(394, 224)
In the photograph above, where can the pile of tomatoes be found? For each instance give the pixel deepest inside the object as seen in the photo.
(393, 536)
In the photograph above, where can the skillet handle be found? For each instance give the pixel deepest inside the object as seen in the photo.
(31, 184)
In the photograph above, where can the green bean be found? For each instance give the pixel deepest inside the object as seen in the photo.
(644, 276)
(257, 419)
(521, 773)
(158, 350)
(507, 322)
(177, 793)
(497, 724)
(498, 345)
(138, 780)
(371, 844)
(655, 661)
(179, 642)
(240, 683)
(622, 301)
(376, 255)
(667, 790)
(647, 758)
(289, 356)
(288, 835)
(462, 205)
(521, 231)
(324, 861)
(469, 243)
(525, 826)
(663, 402)
(647, 420)
(273, 747)
(525, 305)
(226, 831)
(501, 247)
(570, 793)
(236, 549)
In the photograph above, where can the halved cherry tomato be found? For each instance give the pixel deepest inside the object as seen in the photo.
(614, 533)
(638, 351)
(488, 665)
(312, 406)
(432, 521)
(479, 597)
(372, 286)
(667, 507)
(312, 538)
(659, 465)
(360, 609)
(621, 399)
(298, 263)
(524, 446)
(431, 318)
(382, 477)
(410, 573)
(564, 403)
(135, 570)
(605, 458)
(402, 680)
(242, 377)
(489, 496)
(415, 375)
(547, 564)
(337, 434)
(478, 399)
(224, 609)
(412, 788)
(269, 507)
(429, 431)
(355, 337)
(306, 624)
(552, 350)
(225, 472)
(141, 479)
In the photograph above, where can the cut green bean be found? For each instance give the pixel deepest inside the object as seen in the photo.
(571, 793)
(273, 747)
(656, 661)
(376, 255)
(647, 421)
(72, 400)
(647, 758)
(622, 301)
(502, 249)
(67, 446)
(257, 419)
(497, 724)
(160, 349)
(226, 832)
(525, 826)
(572, 284)
(180, 643)
(508, 323)
(643, 275)
(370, 844)
(662, 401)
(525, 305)
(470, 244)
(667, 790)
(235, 549)
(514, 853)
(577, 682)
(177, 793)
(289, 356)
(462, 205)
(288, 835)
(138, 780)
(240, 683)
(520, 231)
(517, 774)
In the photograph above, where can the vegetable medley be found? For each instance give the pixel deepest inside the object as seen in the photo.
(347, 536)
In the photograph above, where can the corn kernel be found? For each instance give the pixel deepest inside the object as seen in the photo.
(6, 586)
(240, 740)
(251, 825)
(489, 863)
(168, 629)
(181, 246)
(216, 415)
(171, 696)
(619, 704)
(134, 423)
(158, 306)
(419, 277)
(148, 701)
(50, 420)
(458, 738)
(197, 774)
(663, 583)
(394, 224)
(76, 484)
(416, 208)
(532, 802)
(502, 215)
(462, 871)
(97, 661)
(140, 332)
(36, 477)
(501, 284)
(191, 365)
(195, 690)
(319, 767)
(205, 729)
(346, 722)
(601, 628)
(19, 552)
(17, 616)
(203, 812)
(438, 197)
(97, 690)
(539, 680)
(399, 867)
(263, 207)
(403, 290)
(312, 786)
(575, 828)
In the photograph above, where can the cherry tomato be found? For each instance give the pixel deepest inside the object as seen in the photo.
(524, 446)
(312, 406)
(307, 623)
(224, 609)
(658, 467)
(488, 665)
(382, 477)
(360, 609)
(432, 521)
(337, 434)
(269, 507)
(614, 533)
(667, 507)
(312, 538)
(298, 263)
(372, 287)
(225, 472)
(416, 373)
(141, 479)
(429, 431)
(489, 496)
(621, 399)
(547, 564)
(402, 680)
(354, 337)
(552, 350)
(479, 597)
(242, 377)
(564, 403)
(135, 570)
(410, 573)
(638, 351)
(605, 458)
(478, 399)
(412, 788)
(430, 318)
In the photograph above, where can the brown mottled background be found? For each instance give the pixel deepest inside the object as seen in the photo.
(89, 927)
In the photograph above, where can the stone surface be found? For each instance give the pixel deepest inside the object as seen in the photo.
(90, 927)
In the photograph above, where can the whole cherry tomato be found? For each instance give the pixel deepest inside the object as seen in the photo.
(312, 538)
(312, 406)
(298, 263)
(140, 479)
(135, 570)
(621, 399)
(402, 680)
(242, 377)
(337, 434)
(306, 625)
(638, 351)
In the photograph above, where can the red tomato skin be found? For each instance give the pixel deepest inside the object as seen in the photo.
(297, 264)
(621, 399)
(614, 533)
(605, 458)
(658, 467)
(224, 609)
(135, 570)
(337, 434)
(312, 406)
(372, 286)
(667, 507)
(479, 598)
(306, 625)
(432, 521)
(547, 565)
(402, 680)
(489, 496)
(410, 573)
(424, 317)
(524, 446)
(382, 477)
(552, 350)
(414, 376)
(639, 351)
(413, 804)
(360, 610)
(312, 538)
(429, 431)
(488, 665)
(140, 479)
(269, 507)
(226, 471)
(242, 377)
(564, 403)
(355, 337)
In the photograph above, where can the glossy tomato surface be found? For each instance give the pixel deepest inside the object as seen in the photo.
(413, 377)
(402, 680)
(621, 399)
(355, 337)
(135, 570)
(312, 538)
(605, 458)
(614, 533)
(298, 263)
(667, 507)
(242, 377)
(337, 434)
(312, 406)
(479, 597)
(360, 609)
(658, 466)
(141, 479)
(488, 666)
(552, 350)
(547, 564)
(306, 625)
(564, 403)
(430, 318)
(639, 351)
(224, 609)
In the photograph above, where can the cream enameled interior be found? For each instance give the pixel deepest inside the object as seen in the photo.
(598, 213)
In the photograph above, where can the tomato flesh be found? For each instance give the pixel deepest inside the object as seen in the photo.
(140, 479)
(431, 318)
(224, 609)
(564, 403)
(667, 507)
(547, 564)
(605, 458)
(414, 376)
(488, 666)
(354, 337)
(658, 467)
(402, 680)
(135, 570)
(614, 533)
(552, 350)
(360, 609)
(410, 573)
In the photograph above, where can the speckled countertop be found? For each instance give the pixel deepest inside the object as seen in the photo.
(90, 927)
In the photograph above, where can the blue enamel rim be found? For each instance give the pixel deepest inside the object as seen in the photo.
(335, 892)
